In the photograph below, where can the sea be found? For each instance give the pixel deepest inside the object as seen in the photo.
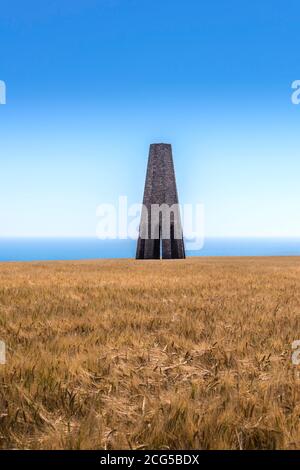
(48, 249)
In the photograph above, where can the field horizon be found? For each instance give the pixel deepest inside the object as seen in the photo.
(91, 248)
(165, 354)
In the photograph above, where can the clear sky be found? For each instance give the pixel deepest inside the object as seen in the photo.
(91, 83)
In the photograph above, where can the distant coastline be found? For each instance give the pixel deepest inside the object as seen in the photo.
(48, 249)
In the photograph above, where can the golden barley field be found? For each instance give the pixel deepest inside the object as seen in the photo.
(125, 354)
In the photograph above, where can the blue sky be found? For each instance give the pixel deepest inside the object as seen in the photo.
(91, 83)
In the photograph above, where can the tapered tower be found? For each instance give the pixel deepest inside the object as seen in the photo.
(160, 228)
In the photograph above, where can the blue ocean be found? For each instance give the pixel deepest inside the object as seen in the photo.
(43, 249)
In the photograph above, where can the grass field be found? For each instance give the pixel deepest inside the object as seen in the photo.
(150, 354)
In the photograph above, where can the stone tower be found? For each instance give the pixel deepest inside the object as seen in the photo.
(160, 229)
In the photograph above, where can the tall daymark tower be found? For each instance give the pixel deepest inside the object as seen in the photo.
(160, 229)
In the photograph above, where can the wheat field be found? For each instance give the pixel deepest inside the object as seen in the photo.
(125, 354)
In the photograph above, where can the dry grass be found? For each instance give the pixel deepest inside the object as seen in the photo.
(162, 354)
